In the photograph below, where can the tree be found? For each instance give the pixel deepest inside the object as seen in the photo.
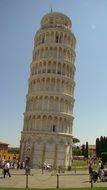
(104, 157)
(76, 151)
(83, 150)
(75, 140)
(101, 145)
(98, 147)
(105, 144)
(86, 150)
(13, 150)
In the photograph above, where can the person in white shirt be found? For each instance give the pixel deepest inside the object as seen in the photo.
(6, 169)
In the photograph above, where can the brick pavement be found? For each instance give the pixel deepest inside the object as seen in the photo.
(47, 180)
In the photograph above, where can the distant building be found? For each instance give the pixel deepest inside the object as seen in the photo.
(92, 150)
(48, 118)
(7, 153)
(3, 150)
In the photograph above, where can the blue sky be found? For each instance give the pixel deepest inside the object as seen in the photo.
(19, 21)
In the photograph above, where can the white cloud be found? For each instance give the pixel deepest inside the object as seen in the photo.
(93, 26)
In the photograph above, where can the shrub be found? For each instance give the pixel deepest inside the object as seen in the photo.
(104, 157)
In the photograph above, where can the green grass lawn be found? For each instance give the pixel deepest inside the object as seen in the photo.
(94, 188)
(83, 165)
(80, 163)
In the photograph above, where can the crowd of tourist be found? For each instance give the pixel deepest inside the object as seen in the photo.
(13, 164)
(97, 175)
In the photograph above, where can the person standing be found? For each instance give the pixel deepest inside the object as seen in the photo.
(100, 171)
(90, 172)
(6, 169)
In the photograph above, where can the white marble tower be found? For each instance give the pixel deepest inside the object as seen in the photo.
(48, 118)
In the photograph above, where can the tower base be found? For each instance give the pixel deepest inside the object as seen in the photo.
(54, 149)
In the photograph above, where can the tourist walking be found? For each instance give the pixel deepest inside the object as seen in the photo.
(6, 169)
(100, 171)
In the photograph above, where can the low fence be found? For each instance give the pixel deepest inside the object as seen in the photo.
(46, 179)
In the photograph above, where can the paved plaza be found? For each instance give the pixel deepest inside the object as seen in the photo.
(37, 179)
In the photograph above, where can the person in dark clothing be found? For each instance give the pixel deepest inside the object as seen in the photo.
(90, 172)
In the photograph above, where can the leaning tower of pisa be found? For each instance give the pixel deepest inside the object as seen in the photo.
(48, 118)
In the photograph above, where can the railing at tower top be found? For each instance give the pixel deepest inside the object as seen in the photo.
(55, 26)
